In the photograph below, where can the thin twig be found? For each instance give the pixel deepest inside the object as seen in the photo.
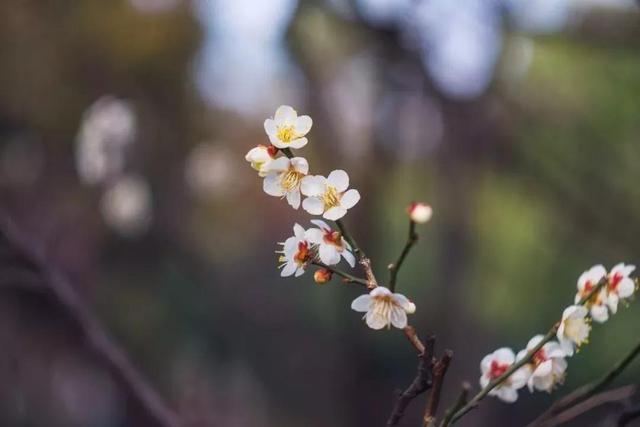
(609, 396)
(526, 359)
(395, 267)
(348, 278)
(94, 332)
(364, 261)
(460, 402)
(421, 383)
(439, 371)
(412, 336)
(588, 390)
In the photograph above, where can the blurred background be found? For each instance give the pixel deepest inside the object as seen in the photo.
(123, 127)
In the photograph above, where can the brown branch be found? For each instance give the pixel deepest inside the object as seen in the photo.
(460, 402)
(421, 383)
(629, 415)
(94, 332)
(439, 371)
(363, 260)
(588, 390)
(395, 267)
(347, 278)
(609, 396)
(412, 336)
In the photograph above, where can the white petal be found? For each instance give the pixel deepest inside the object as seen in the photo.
(612, 302)
(380, 291)
(285, 114)
(599, 313)
(596, 273)
(328, 254)
(403, 302)
(313, 205)
(376, 321)
(313, 185)
(270, 127)
(334, 213)
(507, 394)
(362, 303)
(298, 143)
(291, 245)
(271, 186)
(300, 164)
(314, 235)
(626, 288)
(399, 318)
(348, 256)
(484, 381)
(299, 272)
(349, 199)
(298, 231)
(303, 125)
(293, 198)
(485, 363)
(504, 355)
(280, 164)
(320, 223)
(338, 179)
(289, 269)
(566, 345)
(544, 369)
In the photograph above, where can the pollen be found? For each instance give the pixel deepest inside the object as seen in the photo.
(291, 180)
(330, 197)
(286, 134)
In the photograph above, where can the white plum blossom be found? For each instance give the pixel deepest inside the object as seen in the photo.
(420, 212)
(328, 196)
(296, 253)
(574, 328)
(287, 129)
(383, 308)
(597, 304)
(260, 157)
(283, 178)
(331, 245)
(619, 285)
(548, 365)
(495, 365)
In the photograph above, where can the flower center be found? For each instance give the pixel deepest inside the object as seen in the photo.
(383, 306)
(291, 179)
(303, 254)
(497, 369)
(577, 330)
(330, 197)
(539, 357)
(333, 238)
(286, 134)
(614, 282)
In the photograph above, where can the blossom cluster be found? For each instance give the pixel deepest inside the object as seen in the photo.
(287, 176)
(598, 296)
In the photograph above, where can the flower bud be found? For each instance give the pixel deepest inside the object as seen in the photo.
(322, 276)
(419, 212)
(411, 308)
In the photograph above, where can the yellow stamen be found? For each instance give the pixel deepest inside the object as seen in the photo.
(330, 197)
(286, 134)
(291, 179)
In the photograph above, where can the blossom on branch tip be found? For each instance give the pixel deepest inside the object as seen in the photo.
(328, 196)
(547, 367)
(383, 308)
(495, 365)
(574, 328)
(331, 244)
(283, 178)
(597, 304)
(260, 157)
(287, 129)
(419, 212)
(295, 254)
(619, 285)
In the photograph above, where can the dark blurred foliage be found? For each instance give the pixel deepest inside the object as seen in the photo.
(532, 181)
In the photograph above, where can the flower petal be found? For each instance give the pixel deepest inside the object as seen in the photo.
(280, 164)
(399, 318)
(298, 143)
(303, 125)
(300, 164)
(313, 185)
(626, 288)
(338, 179)
(293, 198)
(320, 223)
(328, 254)
(349, 199)
(314, 235)
(362, 303)
(289, 269)
(298, 231)
(270, 127)
(334, 213)
(313, 205)
(285, 114)
(271, 186)
(348, 256)
(375, 320)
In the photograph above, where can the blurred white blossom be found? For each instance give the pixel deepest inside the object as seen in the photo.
(107, 128)
(126, 206)
(209, 170)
